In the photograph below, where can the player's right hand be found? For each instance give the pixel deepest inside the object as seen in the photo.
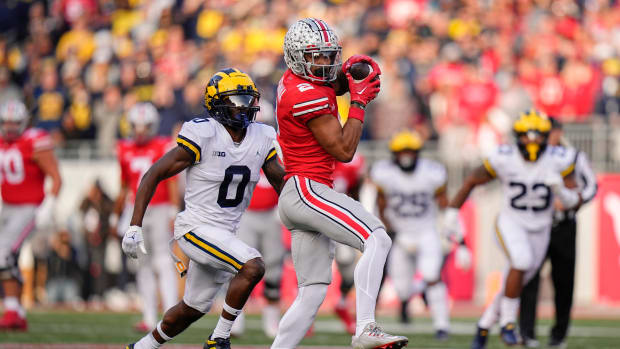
(366, 90)
(132, 240)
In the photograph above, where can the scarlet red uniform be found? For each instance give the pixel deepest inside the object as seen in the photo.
(299, 101)
(348, 174)
(135, 159)
(22, 178)
(264, 196)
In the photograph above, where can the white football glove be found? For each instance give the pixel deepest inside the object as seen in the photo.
(44, 216)
(452, 228)
(462, 257)
(132, 241)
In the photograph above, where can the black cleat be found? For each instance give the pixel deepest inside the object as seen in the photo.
(217, 343)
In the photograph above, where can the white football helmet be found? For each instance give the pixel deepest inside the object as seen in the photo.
(144, 120)
(15, 112)
(315, 37)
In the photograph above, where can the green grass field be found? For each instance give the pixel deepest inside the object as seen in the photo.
(114, 328)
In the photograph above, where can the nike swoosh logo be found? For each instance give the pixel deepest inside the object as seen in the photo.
(362, 91)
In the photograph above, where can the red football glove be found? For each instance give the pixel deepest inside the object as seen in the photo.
(364, 91)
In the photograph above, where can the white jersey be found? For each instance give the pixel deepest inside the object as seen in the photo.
(221, 181)
(410, 196)
(526, 198)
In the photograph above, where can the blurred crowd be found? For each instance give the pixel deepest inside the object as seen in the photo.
(457, 71)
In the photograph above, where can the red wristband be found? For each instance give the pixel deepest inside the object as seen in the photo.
(356, 112)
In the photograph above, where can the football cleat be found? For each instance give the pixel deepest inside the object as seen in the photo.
(442, 335)
(130, 346)
(373, 337)
(217, 343)
(556, 343)
(530, 342)
(12, 321)
(345, 317)
(508, 335)
(480, 339)
(142, 327)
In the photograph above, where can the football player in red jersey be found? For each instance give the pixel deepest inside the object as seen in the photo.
(312, 140)
(348, 178)
(26, 158)
(136, 156)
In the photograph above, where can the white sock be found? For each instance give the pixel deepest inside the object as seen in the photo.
(491, 313)
(271, 318)
(147, 287)
(509, 307)
(437, 296)
(168, 282)
(299, 317)
(147, 342)
(368, 273)
(12, 303)
(222, 329)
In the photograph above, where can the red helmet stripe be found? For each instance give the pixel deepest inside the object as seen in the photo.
(323, 29)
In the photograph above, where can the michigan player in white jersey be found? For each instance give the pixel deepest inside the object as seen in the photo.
(411, 190)
(223, 156)
(532, 174)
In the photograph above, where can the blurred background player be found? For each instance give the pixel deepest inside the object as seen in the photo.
(561, 254)
(312, 141)
(411, 190)
(135, 156)
(27, 158)
(260, 228)
(532, 174)
(348, 179)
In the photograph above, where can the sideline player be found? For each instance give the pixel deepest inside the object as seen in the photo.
(410, 192)
(260, 227)
(532, 175)
(561, 254)
(348, 179)
(223, 155)
(26, 158)
(136, 156)
(312, 140)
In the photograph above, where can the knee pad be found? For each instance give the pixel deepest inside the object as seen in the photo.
(272, 290)
(382, 238)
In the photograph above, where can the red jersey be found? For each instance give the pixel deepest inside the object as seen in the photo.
(22, 178)
(298, 102)
(264, 196)
(348, 174)
(135, 159)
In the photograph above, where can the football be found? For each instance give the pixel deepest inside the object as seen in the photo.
(360, 70)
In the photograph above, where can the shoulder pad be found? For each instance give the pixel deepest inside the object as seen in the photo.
(266, 130)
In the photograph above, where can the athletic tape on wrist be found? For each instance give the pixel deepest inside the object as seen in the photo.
(161, 333)
(356, 112)
(230, 310)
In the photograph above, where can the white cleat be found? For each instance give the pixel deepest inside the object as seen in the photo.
(373, 337)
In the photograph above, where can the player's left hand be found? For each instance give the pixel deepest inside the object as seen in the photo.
(44, 216)
(132, 240)
(462, 257)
